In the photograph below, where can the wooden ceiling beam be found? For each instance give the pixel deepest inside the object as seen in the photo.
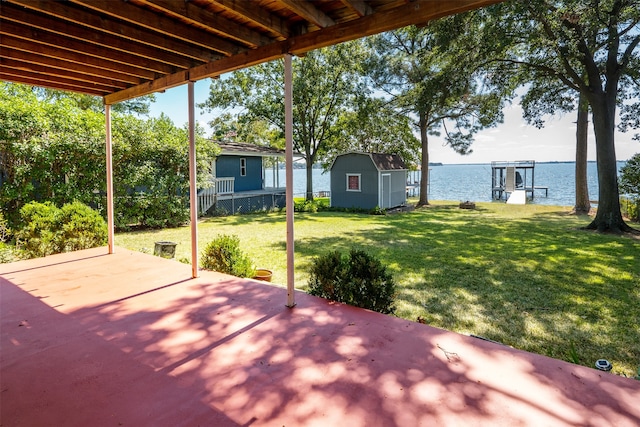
(83, 71)
(210, 21)
(61, 72)
(158, 85)
(254, 13)
(54, 42)
(62, 19)
(412, 13)
(416, 12)
(309, 12)
(160, 24)
(46, 80)
(126, 72)
(360, 7)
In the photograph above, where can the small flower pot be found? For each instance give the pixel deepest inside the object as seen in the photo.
(263, 274)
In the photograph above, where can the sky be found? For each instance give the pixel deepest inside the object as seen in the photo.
(510, 141)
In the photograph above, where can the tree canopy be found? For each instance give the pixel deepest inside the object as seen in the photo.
(53, 149)
(586, 47)
(432, 74)
(329, 98)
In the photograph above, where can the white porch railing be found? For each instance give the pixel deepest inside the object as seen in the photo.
(207, 196)
(223, 185)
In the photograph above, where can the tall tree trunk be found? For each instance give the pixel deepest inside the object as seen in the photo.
(583, 206)
(608, 217)
(309, 195)
(424, 165)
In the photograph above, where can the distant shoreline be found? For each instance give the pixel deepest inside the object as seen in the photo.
(555, 162)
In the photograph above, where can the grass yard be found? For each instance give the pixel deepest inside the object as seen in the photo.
(525, 276)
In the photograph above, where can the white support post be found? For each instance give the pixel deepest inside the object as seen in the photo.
(288, 134)
(193, 190)
(109, 167)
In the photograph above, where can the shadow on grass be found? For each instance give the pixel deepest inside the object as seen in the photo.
(536, 283)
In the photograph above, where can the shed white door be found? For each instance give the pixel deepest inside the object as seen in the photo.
(385, 193)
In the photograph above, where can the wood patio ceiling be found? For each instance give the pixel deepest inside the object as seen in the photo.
(122, 49)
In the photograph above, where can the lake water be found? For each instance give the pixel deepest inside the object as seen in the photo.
(473, 182)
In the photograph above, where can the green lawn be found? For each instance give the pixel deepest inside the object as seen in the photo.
(526, 276)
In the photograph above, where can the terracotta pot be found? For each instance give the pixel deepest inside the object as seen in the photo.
(263, 274)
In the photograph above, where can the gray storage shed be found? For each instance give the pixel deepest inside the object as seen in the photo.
(368, 180)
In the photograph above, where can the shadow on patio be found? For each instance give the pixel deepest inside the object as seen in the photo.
(127, 339)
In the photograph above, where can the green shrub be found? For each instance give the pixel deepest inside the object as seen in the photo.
(149, 211)
(48, 230)
(630, 176)
(38, 235)
(9, 253)
(630, 207)
(223, 254)
(82, 227)
(378, 211)
(312, 206)
(358, 279)
(5, 231)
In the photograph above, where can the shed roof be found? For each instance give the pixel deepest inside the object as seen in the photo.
(387, 162)
(382, 161)
(122, 49)
(246, 149)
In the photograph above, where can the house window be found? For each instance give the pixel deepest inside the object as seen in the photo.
(353, 182)
(243, 167)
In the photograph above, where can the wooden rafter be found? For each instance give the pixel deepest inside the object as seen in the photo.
(255, 14)
(121, 49)
(206, 19)
(158, 24)
(361, 7)
(309, 12)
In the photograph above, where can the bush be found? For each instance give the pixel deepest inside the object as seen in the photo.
(149, 211)
(630, 176)
(82, 227)
(5, 232)
(48, 230)
(311, 206)
(630, 206)
(38, 235)
(358, 279)
(223, 254)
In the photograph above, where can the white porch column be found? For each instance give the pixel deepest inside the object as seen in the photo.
(109, 167)
(193, 190)
(288, 134)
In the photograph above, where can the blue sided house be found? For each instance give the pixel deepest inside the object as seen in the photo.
(368, 180)
(238, 180)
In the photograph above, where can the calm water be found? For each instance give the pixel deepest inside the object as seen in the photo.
(473, 182)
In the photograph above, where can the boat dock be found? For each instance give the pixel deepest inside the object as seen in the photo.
(515, 179)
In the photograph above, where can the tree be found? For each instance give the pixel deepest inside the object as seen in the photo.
(589, 46)
(48, 150)
(551, 96)
(151, 170)
(431, 73)
(630, 184)
(139, 105)
(376, 127)
(582, 203)
(52, 149)
(630, 176)
(325, 85)
(225, 127)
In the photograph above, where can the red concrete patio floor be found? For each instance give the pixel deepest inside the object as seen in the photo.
(90, 339)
